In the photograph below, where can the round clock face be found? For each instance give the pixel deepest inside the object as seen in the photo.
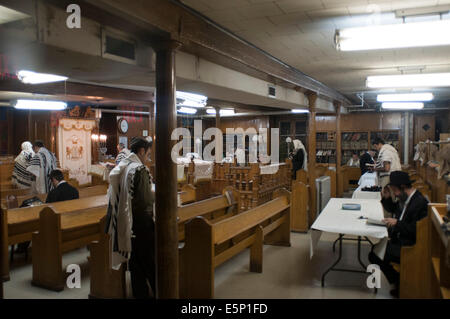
(123, 125)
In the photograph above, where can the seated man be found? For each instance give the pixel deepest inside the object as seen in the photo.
(410, 208)
(354, 160)
(62, 190)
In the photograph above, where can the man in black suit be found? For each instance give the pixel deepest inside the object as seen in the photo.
(62, 190)
(366, 158)
(410, 208)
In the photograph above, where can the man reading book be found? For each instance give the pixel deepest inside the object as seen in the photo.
(410, 207)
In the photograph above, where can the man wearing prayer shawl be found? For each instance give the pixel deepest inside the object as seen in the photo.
(21, 178)
(130, 221)
(42, 163)
(388, 161)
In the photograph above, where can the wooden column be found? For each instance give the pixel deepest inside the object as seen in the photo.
(151, 129)
(338, 150)
(312, 98)
(217, 117)
(167, 272)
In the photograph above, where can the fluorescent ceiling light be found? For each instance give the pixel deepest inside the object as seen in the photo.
(404, 35)
(409, 80)
(40, 105)
(222, 112)
(402, 105)
(30, 77)
(191, 99)
(406, 97)
(9, 15)
(187, 110)
(300, 111)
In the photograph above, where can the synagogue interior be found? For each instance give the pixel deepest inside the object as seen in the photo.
(238, 149)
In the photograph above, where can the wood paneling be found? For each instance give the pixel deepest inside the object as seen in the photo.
(424, 128)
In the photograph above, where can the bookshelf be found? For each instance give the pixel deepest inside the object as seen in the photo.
(294, 129)
(326, 147)
(354, 142)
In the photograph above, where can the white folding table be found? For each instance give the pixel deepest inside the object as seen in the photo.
(333, 219)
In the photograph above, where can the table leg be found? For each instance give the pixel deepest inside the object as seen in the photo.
(359, 254)
(336, 262)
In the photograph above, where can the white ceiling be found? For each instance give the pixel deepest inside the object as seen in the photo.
(301, 33)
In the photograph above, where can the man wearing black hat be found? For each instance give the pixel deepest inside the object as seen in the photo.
(410, 208)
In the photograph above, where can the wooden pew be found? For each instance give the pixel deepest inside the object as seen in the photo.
(83, 192)
(14, 191)
(299, 207)
(20, 223)
(188, 194)
(269, 223)
(60, 233)
(419, 263)
(255, 187)
(108, 283)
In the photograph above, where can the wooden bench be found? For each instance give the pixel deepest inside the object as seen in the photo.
(424, 271)
(299, 203)
(109, 283)
(59, 233)
(20, 223)
(269, 223)
(83, 192)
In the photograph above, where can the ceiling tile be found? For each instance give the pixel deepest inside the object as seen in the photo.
(290, 6)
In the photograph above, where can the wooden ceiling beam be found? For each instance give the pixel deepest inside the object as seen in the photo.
(76, 89)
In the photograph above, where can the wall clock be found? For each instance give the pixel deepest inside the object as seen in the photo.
(123, 126)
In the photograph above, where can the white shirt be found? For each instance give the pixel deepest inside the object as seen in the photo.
(406, 203)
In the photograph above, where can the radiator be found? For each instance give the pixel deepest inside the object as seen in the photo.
(323, 189)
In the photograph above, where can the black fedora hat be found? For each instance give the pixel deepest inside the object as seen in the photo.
(399, 178)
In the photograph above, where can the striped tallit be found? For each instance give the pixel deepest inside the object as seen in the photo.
(21, 178)
(42, 163)
(120, 216)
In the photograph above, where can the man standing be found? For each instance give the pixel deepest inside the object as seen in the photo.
(20, 176)
(299, 158)
(410, 208)
(62, 190)
(130, 220)
(388, 161)
(366, 158)
(42, 163)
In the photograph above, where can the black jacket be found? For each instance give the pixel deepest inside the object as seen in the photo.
(365, 159)
(297, 162)
(404, 232)
(63, 192)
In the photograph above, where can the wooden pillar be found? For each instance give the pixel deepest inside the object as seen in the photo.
(338, 150)
(167, 271)
(218, 117)
(219, 143)
(151, 130)
(312, 98)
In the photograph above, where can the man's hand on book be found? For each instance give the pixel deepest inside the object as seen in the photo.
(390, 222)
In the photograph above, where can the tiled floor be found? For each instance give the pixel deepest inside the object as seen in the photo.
(288, 272)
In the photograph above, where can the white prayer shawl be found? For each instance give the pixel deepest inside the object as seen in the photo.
(120, 194)
(122, 154)
(388, 154)
(42, 163)
(21, 178)
(298, 145)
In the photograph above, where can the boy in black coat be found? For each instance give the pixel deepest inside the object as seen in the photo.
(62, 190)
